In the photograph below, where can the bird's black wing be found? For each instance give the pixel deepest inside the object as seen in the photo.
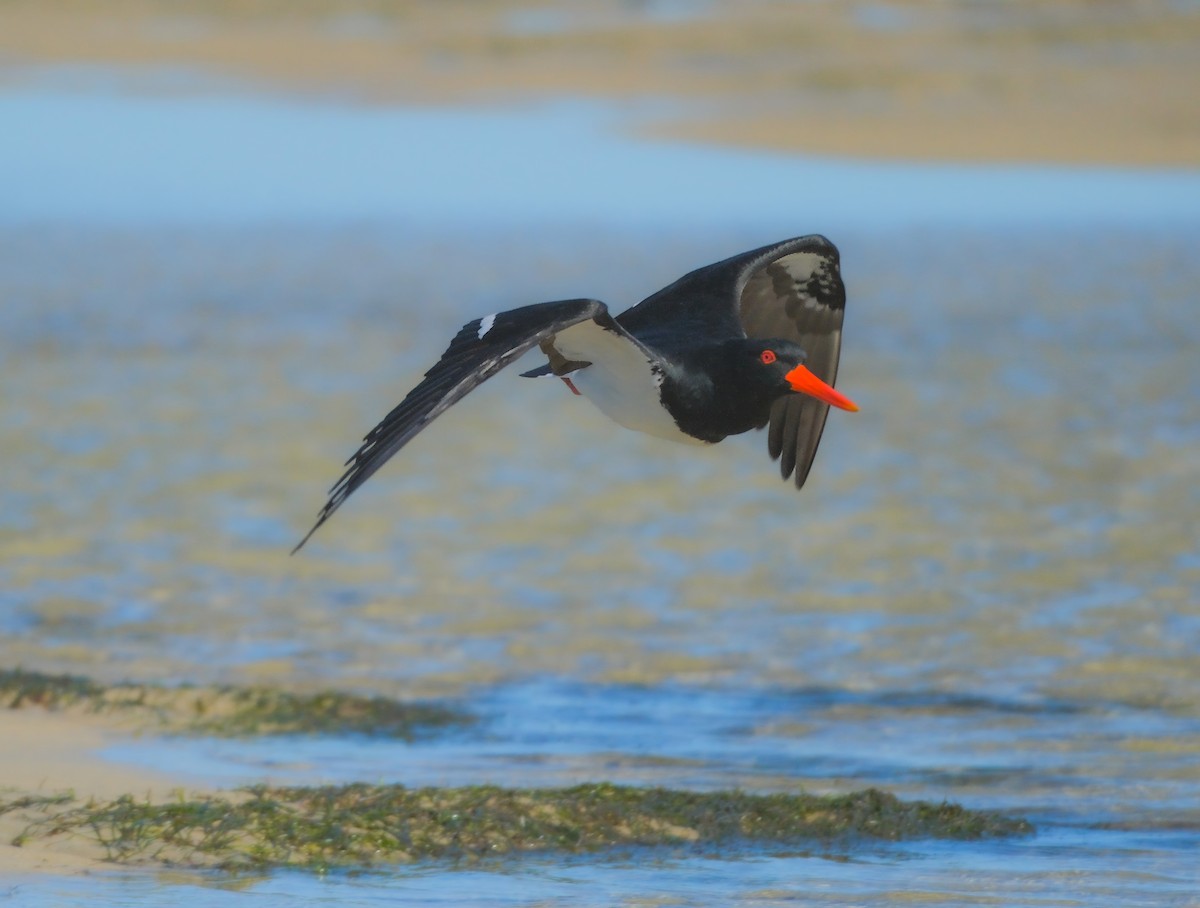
(481, 349)
(790, 290)
(794, 290)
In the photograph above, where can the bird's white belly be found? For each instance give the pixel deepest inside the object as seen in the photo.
(620, 381)
(629, 398)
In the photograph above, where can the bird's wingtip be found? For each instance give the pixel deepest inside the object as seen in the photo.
(307, 536)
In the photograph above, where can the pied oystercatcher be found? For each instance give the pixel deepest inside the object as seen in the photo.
(719, 352)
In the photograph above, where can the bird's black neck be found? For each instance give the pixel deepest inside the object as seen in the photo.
(708, 395)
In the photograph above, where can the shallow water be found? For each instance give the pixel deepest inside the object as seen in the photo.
(990, 591)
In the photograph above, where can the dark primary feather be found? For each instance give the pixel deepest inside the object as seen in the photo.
(468, 361)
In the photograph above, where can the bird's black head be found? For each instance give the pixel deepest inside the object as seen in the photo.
(729, 388)
(776, 367)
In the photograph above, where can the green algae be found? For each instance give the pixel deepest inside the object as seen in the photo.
(228, 711)
(36, 801)
(364, 826)
(20, 688)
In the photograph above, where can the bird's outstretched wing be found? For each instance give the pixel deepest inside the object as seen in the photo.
(794, 290)
(791, 290)
(481, 349)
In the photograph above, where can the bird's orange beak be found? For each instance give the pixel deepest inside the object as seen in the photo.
(803, 381)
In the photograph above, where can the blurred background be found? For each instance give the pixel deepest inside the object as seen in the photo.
(234, 234)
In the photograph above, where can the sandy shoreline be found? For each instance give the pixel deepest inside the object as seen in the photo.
(1071, 82)
(47, 752)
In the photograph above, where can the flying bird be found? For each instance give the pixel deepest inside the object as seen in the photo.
(747, 342)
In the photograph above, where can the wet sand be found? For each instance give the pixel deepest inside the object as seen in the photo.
(1072, 82)
(46, 753)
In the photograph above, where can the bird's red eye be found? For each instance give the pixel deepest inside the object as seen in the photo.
(767, 356)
